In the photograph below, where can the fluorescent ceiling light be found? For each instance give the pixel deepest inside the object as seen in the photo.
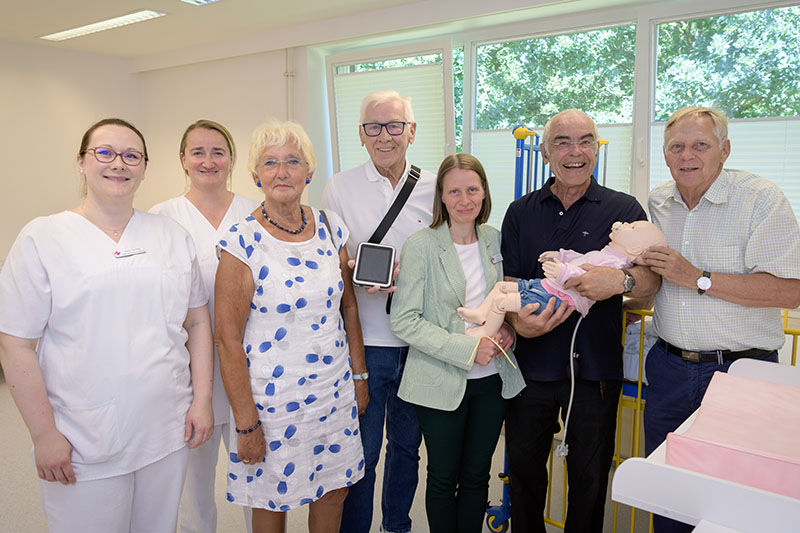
(199, 2)
(139, 16)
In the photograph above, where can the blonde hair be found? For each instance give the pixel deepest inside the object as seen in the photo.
(213, 126)
(275, 132)
(714, 113)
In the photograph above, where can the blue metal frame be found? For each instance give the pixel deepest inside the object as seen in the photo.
(532, 150)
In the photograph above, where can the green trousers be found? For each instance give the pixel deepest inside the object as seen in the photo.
(460, 445)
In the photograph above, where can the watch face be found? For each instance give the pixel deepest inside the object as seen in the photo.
(630, 283)
(704, 283)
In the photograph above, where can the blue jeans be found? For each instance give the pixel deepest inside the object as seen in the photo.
(531, 292)
(401, 466)
(674, 391)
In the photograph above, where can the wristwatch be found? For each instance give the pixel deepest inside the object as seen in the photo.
(629, 283)
(364, 375)
(704, 282)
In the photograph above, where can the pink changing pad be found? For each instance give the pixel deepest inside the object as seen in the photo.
(747, 431)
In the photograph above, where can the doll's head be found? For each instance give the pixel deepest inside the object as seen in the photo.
(634, 238)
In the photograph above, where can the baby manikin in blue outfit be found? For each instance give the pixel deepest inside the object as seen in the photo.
(628, 242)
(531, 291)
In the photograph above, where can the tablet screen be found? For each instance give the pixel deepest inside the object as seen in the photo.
(374, 264)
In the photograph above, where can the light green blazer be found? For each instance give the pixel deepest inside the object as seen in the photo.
(430, 287)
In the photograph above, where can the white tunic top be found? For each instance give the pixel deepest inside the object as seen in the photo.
(109, 317)
(205, 240)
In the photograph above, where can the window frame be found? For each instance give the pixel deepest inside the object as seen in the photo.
(443, 46)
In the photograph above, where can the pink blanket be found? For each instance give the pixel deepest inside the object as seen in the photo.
(747, 431)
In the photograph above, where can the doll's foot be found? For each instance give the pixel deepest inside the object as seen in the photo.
(474, 316)
(489, 328)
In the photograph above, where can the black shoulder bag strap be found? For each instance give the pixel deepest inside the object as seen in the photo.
(397, 206)
(391, 215)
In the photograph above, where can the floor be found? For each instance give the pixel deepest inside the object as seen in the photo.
(21, 511)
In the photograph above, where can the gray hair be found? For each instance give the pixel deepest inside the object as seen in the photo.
(714, 113)
(547, 134)
(383, 96)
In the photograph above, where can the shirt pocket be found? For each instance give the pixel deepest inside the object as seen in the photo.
(722, 259)
(92, 431)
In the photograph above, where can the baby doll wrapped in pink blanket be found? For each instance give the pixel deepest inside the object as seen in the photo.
(629, 241)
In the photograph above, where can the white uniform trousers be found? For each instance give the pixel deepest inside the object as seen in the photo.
(145, 500)
(198, 507)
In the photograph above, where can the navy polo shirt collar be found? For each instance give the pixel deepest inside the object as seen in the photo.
(593, 194)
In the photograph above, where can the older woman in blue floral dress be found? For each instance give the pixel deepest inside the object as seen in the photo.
(287, 355)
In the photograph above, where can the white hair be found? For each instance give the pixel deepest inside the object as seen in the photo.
(383, 96)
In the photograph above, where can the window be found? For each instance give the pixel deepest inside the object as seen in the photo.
(745, 64)
(527, 81)
(422, 72)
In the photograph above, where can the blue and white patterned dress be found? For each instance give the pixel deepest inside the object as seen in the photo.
(299, 364)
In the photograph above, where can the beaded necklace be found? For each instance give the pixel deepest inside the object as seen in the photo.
(293, 232)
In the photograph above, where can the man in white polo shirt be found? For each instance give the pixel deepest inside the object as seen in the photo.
(362, 196)
(732, 264)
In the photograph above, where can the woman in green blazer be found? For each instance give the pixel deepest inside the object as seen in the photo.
(456, 382)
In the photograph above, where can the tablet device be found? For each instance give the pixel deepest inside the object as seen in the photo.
(374, 265)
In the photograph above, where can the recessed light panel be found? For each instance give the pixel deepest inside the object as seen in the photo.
(133, 18)
(199, 2)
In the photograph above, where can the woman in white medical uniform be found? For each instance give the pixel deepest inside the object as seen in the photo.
(105, 342)
(207, 210)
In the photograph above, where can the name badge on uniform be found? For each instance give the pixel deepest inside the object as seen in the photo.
(497, 259)
(129, 252)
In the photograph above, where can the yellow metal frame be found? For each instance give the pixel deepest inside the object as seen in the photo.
(547, 518)
(635, 403)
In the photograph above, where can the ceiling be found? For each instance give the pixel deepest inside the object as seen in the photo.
(184, 26)
(190, 33)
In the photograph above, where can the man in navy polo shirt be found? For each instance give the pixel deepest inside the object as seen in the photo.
(570, 211)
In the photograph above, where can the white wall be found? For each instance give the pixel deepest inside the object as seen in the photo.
(239, 93)
(47, 100)
(50, 97)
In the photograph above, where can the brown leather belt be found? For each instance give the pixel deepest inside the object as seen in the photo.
(710, 356)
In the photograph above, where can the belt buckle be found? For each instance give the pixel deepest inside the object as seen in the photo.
(693, 357)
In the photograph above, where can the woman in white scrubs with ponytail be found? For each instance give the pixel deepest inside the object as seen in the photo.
(207, 211)
(105, 342)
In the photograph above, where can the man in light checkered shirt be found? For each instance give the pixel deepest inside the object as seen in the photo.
(732, 264)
